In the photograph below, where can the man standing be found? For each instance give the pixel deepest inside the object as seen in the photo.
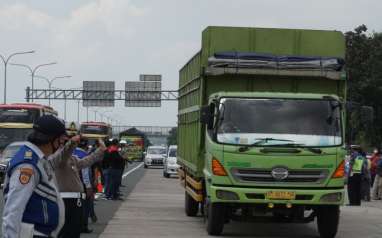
(357, 170)
(116, 163)
(33, 205)
(377, 185)
(71, 187)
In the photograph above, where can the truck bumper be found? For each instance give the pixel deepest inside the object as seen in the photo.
(324, 196)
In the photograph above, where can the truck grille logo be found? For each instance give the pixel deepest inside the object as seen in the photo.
(280, 173)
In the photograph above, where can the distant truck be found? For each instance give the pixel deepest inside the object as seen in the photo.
(261, 127)
(135, 140)
(95, 130)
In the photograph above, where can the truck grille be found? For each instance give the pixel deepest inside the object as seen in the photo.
(265, 176)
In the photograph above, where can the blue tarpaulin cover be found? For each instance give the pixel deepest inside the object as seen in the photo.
(260, 60)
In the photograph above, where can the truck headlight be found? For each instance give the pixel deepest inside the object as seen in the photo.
(331, 197)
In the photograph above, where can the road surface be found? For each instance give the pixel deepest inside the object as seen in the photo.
(155, 209)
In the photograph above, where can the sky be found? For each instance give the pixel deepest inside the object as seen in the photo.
(117, 40)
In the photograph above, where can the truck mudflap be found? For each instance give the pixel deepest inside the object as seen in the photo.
(324, 196)
(193, 187)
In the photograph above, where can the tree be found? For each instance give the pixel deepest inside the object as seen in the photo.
(172, 137)
(364, 69)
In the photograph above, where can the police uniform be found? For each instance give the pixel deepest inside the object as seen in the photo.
(357, 166)
(33, 205)
(72, 190)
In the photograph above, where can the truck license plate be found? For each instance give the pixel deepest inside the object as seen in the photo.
(281, 195)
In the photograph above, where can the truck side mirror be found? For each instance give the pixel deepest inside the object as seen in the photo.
(367, 114)
(207, 115)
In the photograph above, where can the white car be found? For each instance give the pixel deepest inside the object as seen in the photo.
(170, 166)
(155, 156)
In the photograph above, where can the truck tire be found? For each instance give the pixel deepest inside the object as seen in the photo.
(215, 218)
(327, 221)
(191, 206)
(165, 174)
(145, 166)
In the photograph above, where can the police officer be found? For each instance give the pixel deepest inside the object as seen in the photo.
(71, 187)
(357, 169)
(33, 206)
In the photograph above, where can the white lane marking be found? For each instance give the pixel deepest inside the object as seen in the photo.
(132, 170)
(97, 195)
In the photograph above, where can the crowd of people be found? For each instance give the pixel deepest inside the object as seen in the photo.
(363, 176)
(51, 182)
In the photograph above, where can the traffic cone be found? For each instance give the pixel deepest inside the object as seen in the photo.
(99, 182)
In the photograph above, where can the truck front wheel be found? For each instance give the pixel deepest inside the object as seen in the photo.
(215, 218)
(191, 206)
(327, 220)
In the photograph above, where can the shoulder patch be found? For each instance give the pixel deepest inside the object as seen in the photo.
(28, 154)
(25, 175)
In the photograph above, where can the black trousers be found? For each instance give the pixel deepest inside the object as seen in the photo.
(73, 218)
(86, 214)
(354, 190)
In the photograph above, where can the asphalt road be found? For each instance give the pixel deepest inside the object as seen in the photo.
(105, 209)
(155, 208)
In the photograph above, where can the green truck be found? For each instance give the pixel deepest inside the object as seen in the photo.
(135, 143)
(261, 127)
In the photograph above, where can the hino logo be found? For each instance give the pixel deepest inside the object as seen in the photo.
(280, 173)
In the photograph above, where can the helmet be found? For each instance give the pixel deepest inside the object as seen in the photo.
(123, 142)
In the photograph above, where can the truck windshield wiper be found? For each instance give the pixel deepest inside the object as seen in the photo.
(299, 146)
(294, 145)
(260, 141)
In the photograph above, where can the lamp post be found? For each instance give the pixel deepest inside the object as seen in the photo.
(95, 115)
(33, 70)
(50, 81)
(103, 114)
(5, 61)
(78, 111)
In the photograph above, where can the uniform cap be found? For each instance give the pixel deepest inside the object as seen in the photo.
(50, 125)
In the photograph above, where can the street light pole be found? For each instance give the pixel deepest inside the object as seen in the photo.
(5, 61)
(78, 112)
(33, 71)
(103, 114)
(50, 82)
(95, 115)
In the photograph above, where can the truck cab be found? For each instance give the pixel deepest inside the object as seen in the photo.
(281, 152)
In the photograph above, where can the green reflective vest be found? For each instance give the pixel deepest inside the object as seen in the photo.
(357, 166)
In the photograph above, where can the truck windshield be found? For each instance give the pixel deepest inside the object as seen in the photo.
(94, 129)
(9, 135)
(18, 115)
(284, 121)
